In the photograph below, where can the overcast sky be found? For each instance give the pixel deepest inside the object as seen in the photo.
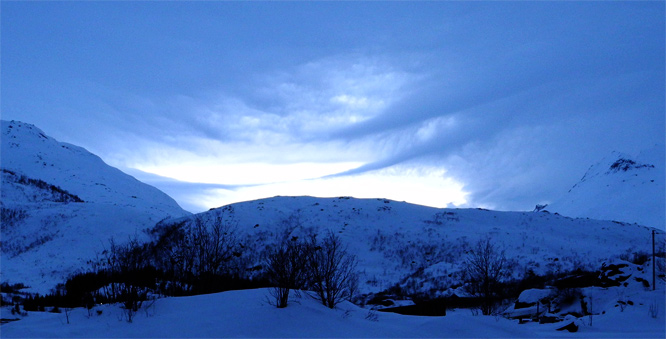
(474, 104)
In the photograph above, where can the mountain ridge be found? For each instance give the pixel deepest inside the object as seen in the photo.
(29, 151)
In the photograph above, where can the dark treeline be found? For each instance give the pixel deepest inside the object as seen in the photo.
(59, 194)
(190, 257)
(205, 255)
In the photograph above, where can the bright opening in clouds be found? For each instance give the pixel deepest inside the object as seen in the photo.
(244, 173)
(480, 104)
(417, 184)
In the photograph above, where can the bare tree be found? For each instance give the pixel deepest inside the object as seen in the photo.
(68, 310)
(196, 250)
(125, 264)
(213, 245)
(172, 253)
(485, 269)
(286, 268)
(332, 271)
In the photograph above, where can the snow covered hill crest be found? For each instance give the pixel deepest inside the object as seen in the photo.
(60, 204)
(423, 249)
(622, 188)
(29, 151)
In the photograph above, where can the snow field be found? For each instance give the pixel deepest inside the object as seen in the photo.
(248, 313)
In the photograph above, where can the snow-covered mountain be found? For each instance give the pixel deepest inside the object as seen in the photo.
(620, 187)
(61, 204)
(26, 149)
(423, 248)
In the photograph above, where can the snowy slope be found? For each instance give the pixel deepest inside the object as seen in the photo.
(422, 248)
(61, 204)
(620, 187)
(49, 235)
(26, 149)
(246, 314)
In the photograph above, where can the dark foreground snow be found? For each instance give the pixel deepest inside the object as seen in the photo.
(248, 314)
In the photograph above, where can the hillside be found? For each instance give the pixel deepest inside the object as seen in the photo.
(423, 248)
(620, 187)
(61, 204)
(29, 151)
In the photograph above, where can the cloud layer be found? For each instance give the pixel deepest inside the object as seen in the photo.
(500, 105)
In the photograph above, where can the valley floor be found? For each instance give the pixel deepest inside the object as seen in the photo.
(248, 313)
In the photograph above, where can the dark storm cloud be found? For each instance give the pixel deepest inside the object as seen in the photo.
(579, 121)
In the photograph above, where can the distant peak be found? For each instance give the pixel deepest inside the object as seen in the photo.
(627, 188)
(19, 124)
(624, 165)
(14, 127)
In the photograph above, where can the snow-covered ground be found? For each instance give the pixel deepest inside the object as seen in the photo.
(248, 314)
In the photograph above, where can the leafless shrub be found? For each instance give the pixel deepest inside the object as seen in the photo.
(211, 245)
(149, 307)
(125, 263)
(195, 250)
(286, 268)
(621, 300)
(653, 311)
(485, 268)
(660, 266)
(68, 310)
(372, 316)
(331, 269)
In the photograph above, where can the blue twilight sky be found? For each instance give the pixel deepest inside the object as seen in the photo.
(493, 104)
